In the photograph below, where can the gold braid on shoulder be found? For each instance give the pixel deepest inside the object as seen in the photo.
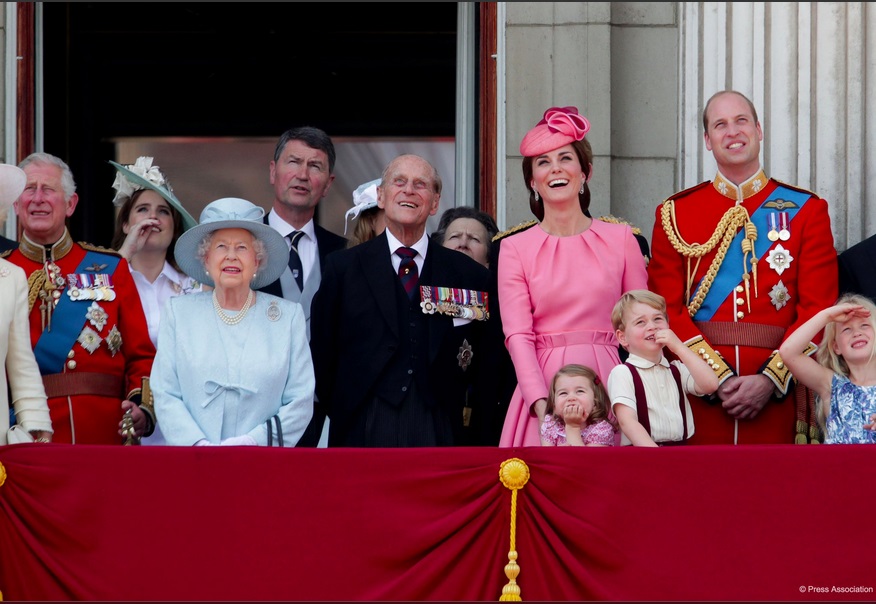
(732, 220)
(35, 284)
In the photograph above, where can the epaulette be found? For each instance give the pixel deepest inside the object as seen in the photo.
(515, 229)
(686, 192)
(5, 253)
(796, 188)
(616, 220)
(96, 248)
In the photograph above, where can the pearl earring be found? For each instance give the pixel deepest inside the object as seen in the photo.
(536, 194)
(581, 192)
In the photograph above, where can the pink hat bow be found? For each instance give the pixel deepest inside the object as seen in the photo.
(559, 126)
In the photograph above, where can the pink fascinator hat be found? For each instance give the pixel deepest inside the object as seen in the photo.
(559, 126)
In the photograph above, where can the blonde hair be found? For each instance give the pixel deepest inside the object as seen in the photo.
(649, 298)
(826, 354)
(365, 229)
(600, 396)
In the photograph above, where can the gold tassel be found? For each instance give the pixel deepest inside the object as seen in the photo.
(514, 474)
(748, 248)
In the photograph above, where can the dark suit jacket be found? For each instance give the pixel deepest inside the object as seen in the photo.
(355, 330)
(7, 244)
(857, 269)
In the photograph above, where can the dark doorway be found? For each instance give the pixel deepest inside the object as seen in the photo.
(236, 70)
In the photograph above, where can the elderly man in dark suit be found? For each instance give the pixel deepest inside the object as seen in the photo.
(399, 324)
(302, 173)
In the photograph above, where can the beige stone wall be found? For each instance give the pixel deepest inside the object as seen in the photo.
(641, 72)
(617, 62)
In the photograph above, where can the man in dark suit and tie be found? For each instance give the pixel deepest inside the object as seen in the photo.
(393, 359)
(302, 172)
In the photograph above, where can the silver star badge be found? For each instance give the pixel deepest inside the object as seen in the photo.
(779, 259)
(96, 316)
(89, 339)
(779, 295)
(114, 340)
(465, 355)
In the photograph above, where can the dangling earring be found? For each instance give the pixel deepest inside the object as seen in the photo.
(581, 192)
(536, 194)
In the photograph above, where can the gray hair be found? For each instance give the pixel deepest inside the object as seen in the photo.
(436, 178)
(258, 245)
(67, 182)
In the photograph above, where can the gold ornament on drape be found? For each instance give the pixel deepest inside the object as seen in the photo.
(513, 473)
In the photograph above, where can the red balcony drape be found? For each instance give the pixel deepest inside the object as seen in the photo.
(215, 523)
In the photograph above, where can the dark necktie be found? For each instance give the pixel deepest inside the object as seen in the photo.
(295, 260)
(407, 270)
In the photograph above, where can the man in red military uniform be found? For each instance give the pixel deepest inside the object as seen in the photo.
(742, 261)
(87, 324)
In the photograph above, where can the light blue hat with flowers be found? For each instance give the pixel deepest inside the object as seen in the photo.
(143, 175)
(233, 213)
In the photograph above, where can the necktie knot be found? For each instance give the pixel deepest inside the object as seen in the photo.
(295, 237)
(406, 253)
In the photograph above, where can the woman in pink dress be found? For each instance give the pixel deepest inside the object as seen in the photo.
(559, 280)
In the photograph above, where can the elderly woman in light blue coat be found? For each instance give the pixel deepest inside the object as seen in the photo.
(233, 365)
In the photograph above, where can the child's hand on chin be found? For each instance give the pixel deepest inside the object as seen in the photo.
(573, 415)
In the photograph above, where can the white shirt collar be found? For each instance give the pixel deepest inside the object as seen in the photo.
(421, 245)
(638, 361)
(171, 274)
(284, 228)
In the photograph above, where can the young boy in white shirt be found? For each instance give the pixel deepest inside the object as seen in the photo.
(647, 392)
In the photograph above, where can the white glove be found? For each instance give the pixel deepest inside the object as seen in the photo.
(204, 443)
(239, 441)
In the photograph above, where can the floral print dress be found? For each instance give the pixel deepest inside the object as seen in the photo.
(850, 408)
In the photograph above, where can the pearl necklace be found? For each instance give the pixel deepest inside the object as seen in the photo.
(228, 320)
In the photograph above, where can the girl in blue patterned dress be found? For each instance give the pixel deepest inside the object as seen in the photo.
(844, 377)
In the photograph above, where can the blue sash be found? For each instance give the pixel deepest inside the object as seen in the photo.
(727, 280)
(67, 320)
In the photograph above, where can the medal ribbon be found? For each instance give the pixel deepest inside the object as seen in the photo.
(728, 276)
(52, 347)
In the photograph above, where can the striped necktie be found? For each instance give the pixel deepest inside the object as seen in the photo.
(407, 270)
(295, 260)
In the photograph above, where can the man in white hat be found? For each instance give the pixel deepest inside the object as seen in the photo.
(87, 325)
(302, 173)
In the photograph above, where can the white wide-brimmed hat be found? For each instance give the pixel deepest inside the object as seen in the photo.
(143, 175)
(364, 198)
(12, 182)
(233, 213)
